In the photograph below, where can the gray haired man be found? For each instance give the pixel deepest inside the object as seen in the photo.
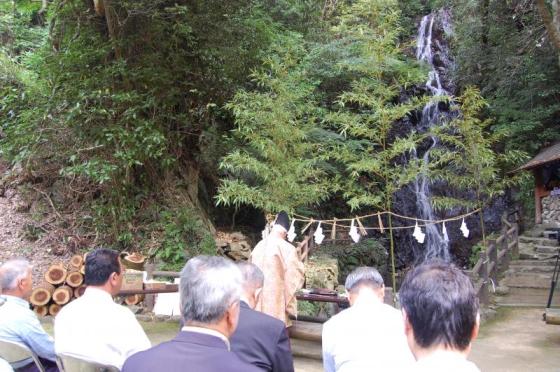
(210, 292)
(17, 322)
(260, 339)
(369, 336)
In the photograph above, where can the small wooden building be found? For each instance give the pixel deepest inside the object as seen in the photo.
(546, 169)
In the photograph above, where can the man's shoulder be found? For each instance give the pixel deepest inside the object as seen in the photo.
(174, 355)
(259, 319)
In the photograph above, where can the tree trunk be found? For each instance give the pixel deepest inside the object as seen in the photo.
(79, 292)
(56, 274)
(134, 261)
(74, 279)
(77, 261)
(62, 295)
(42, 294)
(552, 28)
(54, 309)
(133, 299)
(41, 310)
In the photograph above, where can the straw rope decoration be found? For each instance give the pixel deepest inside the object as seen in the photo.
(351, 226)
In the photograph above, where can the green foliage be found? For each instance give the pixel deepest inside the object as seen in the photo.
(368, 110)
(184, 236)
(469, 161)
(507, 54)
(277, 167)
(367, 252)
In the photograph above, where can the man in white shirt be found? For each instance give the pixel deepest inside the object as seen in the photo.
(93, 327)
(440, 311)
(369, 336)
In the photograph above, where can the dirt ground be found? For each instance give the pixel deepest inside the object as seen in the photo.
(517, 340)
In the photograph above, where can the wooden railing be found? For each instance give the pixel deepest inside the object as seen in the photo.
(495, 259)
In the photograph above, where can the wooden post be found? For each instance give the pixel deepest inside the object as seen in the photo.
(505, 246)
(150, 299)
(515, 251)
(484, 295)
(493, 256)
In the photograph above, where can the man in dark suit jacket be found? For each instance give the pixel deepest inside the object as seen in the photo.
(210, 292)
(260, 339)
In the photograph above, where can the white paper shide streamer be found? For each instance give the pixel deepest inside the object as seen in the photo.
(318, 235)
(444, 233)
(418, 234)
(292, 232)
(464, 229)
(354, 233)
(266, 231)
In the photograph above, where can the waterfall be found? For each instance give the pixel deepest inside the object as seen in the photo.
(436, 244)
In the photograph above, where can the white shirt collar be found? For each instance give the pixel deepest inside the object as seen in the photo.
(207, 331)
(17, 300)
(98, 293)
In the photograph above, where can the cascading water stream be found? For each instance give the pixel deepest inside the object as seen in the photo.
(437, 245)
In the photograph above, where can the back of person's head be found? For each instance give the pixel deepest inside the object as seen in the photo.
(441, 306)
(209, 286)
(99, 266)
(361, 277)
(252, 276)
(12, 272)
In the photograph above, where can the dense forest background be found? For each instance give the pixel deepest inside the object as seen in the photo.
(146, 124)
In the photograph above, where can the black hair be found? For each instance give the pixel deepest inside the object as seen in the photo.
(100, 264)
(441, 305)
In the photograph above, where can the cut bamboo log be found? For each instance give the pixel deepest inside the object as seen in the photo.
(56, 274)
(74, 279)
(42, 294)
(83, 269)
(133, 299)
(62, 295)
(54, 309)
(134, 261)
(79, 292)
(41, 310)
(77, 261)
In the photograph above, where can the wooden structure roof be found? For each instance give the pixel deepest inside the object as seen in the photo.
(548, 155)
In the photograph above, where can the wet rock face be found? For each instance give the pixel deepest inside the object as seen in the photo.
(433, 48)
(551, 210)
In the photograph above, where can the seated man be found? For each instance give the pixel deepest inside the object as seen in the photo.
(260, 339)
(17, 322)
(210, 290)
(440, 310)
(368, 336)
(93, 327)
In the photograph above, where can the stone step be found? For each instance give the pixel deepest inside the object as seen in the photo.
(536, 269)
(546, 249)
(538, 241)
(517, 263)
(306, 349)
(528, 297)
(528, 281)
(524, 256)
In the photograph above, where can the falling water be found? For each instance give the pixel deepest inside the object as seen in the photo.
(437, 245)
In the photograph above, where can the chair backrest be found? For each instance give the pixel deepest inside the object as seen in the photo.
(16, 353)
(69, 363)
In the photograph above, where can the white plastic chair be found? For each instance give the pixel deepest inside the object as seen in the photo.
(69, 363)
(16, 354)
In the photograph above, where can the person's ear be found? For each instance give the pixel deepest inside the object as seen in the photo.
(407, 325)
(258, 293)
(474, 333)
(232, 317)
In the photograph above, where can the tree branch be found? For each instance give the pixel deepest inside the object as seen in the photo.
(549, 24)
